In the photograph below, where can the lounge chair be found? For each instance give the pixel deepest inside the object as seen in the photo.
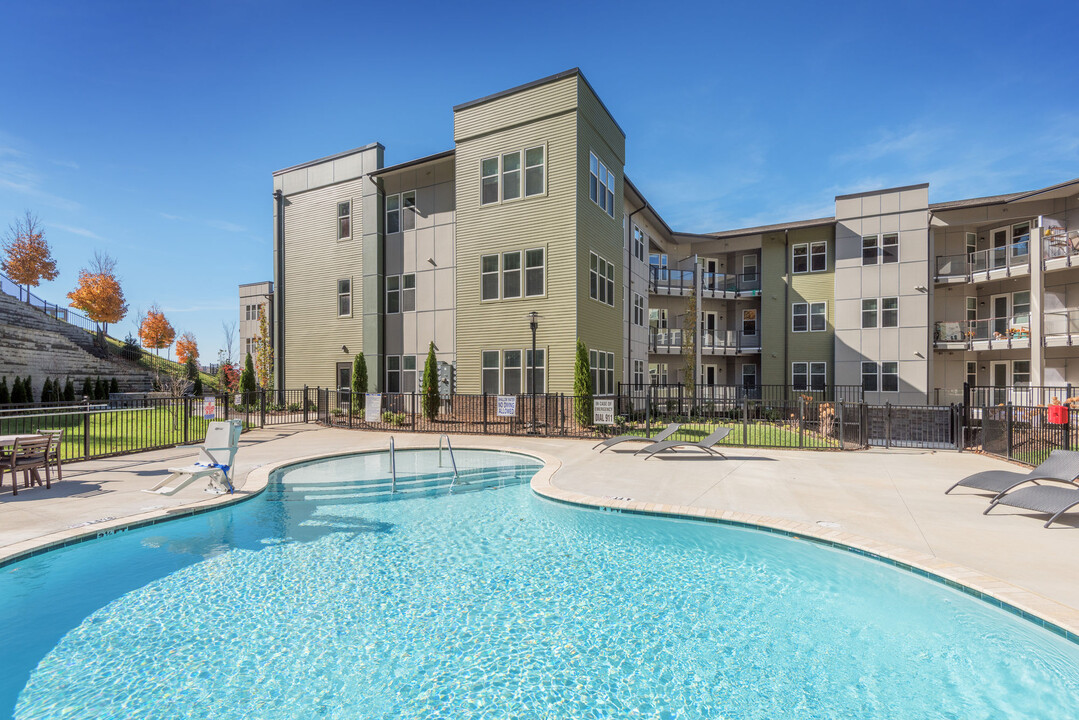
(1061, 466)
(671, 429)
(216, 457)
(705, 444)
(1052, 500)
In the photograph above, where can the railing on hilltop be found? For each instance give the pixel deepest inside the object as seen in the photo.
(62, 313)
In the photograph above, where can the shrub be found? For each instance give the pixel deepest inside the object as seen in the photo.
(247, 377)
(28, 389)
(294, 407)
(5, 394)
(18, 394)
(394, 418)
(46, 391)
(101, 390)
(359, 374)
(582, 387)
(130, 350)
(196, 389)
(336, 412)
(431, 399)
(87, 389)
(69, 391)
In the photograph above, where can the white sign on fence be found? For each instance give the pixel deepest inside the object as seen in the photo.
(209, 408)
(507, 406)
(603, 412)
(372, 409)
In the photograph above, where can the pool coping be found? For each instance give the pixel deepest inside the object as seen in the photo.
(1053, 616)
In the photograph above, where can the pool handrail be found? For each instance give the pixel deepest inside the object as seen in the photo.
(456, 475)
(393, 468)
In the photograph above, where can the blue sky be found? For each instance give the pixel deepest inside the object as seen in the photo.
(151, 130)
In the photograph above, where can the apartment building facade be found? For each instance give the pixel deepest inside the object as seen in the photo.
(255, 298)
(530, 219)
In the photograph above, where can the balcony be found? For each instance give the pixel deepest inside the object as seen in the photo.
(1001, 333)
(1061, 248)
(665, 281)
(668, 341)
(982, 265)
(1061, 328)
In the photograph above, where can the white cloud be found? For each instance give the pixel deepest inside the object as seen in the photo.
(77, 231)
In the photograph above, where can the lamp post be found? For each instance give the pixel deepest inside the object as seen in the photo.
(533, 324)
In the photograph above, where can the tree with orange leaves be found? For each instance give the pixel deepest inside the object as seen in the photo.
(99, 294)
(186, 347)
(29, 259)
(155, 331)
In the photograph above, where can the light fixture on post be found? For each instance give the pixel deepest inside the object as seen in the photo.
(533, 324)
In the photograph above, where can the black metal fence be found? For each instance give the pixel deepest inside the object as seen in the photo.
(765, 393)
(921, 426)
(1023, 432)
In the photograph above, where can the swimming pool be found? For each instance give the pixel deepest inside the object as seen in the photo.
(317, 600)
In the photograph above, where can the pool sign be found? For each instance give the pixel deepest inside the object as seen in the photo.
(372, 409)
(603, 412)
(507, 406)
(209, 408)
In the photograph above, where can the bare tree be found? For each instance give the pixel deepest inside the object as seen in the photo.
(102, 263)
(229, 345)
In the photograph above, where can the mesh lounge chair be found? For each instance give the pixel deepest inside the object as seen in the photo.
(705, 444)
(1048, 499)
(1061, 466)
(671, 429)
(216, 458)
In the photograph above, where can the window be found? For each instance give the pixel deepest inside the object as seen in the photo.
(869, 376)
(393, 294)
(344, 297)
(535, 170)
(489, 277)
(972, 373)
(638, 243)
(602, 372)
(800, 258)
(800, 317)
(818, 256)
(818, 375)
(250, 346)
(818, 316)
(601, 280)
(1021, 307)
(971, 242)
(889, 377)
(800, 375)
(408, 373)
(638, 310)
(408, 210)
(869, 313)
(489, 372)
(344, 218)
(869, 250)
(511, 176)
(638, 372)
(601, 183)
(489, 181)
(749, 322)
(1020, 372)
(1020, 239)
(393, 213)
(511, 372)
(657, 318)
(511, 275)
(251, 312)
(889, 248)
(540, 365)
(889, 312)
(393, 373)
(749, 268)
(657, 373)
(972, 309)
(534, 272)
(749, 375)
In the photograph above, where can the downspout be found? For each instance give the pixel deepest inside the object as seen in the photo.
(786, 300)
(629, 265)
(278, 312)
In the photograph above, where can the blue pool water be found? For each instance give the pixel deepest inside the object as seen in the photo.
(312, 601)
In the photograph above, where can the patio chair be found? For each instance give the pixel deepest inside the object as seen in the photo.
(1053, 500)
(26, 456)
(53, 455)
(671, 429)
(1060, 466)
(216, 458)
(705, 444)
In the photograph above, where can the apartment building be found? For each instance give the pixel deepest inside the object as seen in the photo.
(254, 299)
(530, 217)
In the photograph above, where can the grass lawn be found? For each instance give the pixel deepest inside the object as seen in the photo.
(756, 435)
(153, 362)
(116, 431)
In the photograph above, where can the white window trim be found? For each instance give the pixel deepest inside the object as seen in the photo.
(638, 303)
(747, 265)
(614, 192)
(519, 367)
(340, 237)
(881, 310)
(497, 368)
(825, 253)
(863, 248)
(793, 314)
(756, 323)
(825, 314)
(386, 213)
(525, 269)
(880, 248)
(338, 295)
(498, 277)
(794, 372)
(795, 247)
(526, 369)
(600, 267)
(876, 314)
(880, 380)
(522, 150)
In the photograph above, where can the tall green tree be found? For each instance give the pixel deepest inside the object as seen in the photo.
(87, 389)
(5, 394)
(114, 387)
(46, 391)
(582, 386)
(18, 395)
(431, 399)
(359, 374)
(101, 390)
(191, 368)
(69, 391)
(248, 383)
(196, 389)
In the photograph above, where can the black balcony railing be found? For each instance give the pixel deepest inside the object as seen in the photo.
(670, 281)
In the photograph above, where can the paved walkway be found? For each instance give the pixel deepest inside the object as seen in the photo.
(891, 496)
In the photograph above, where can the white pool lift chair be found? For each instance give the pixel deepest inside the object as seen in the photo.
(216, 458)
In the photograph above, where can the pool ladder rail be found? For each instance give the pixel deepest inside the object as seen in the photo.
(456, 475)
(393, 468)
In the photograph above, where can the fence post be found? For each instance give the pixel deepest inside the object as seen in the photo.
(956, 436)
(745, 422)
(227, 401)
(485, 413)
(801, 421)
(562, 411)
(1008, 427)
(85, 433)
(887, 424)
(842, 431)
(648, 410)
(304, 400)
(351, 398)
(186, 404)
(412, 408)
(1067, 427)
(681, 398)
(262, 408)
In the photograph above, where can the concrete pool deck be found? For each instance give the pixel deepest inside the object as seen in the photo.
(888, 502)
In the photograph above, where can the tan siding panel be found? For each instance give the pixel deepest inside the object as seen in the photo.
(522, 107)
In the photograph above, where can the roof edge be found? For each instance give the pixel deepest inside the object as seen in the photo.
(864, 193)
(412, 163)
(320, 160)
